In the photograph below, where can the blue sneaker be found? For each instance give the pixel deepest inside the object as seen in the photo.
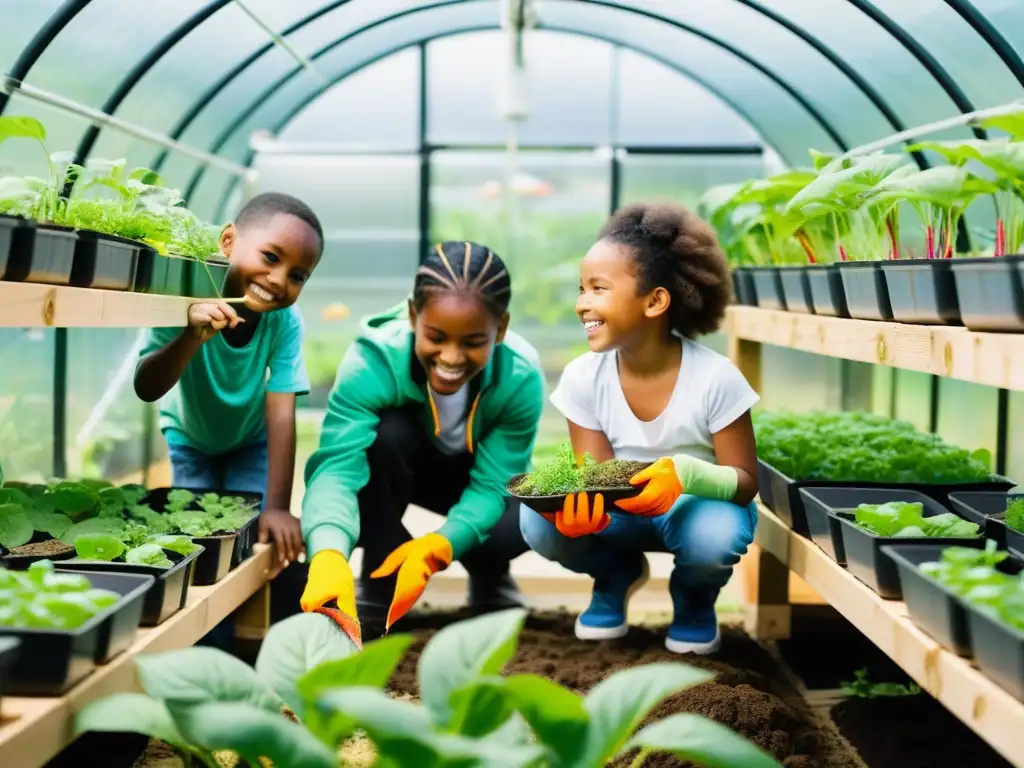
(605, 619)
(694, 631)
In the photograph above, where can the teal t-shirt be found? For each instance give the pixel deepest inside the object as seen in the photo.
(218, 403)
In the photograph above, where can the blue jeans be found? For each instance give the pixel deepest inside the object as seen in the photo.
(707, 538)
(243, 469)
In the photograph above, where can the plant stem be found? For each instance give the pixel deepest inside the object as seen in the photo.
(641, 757)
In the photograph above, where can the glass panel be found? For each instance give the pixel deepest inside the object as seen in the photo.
(353, 111)
(683, 178)
(1004, 15)
(26, 404)
(968, 414)
(20, 22)
(799, 381)
(207, 198)
(914, 398)
(1015, 437)
(104, 418)
(905, 84)
(780, 51)
(973, 65)
(568, 90)
(563, 199)
(657, 106)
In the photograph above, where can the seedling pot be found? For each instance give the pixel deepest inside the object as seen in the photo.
(796, 289)
(169, 276)
(16, 561)
(825, 529)
(554, 503)
(51, 661)
(986, 508)
(743, 281)
(10, 647)
(169, 592)
(871, 566)
(768, 287)
(206, 279)
(104, 261)
(990, 292)
(922, 291)
(15, 233)
(867, 295)
(42, 254)
(224, 552)
(144, 269)
(828, 296)
(781, 494)
(998, 650)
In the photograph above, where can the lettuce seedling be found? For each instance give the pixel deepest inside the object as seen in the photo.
(41, 598)
(905, 520)
(1015, 513)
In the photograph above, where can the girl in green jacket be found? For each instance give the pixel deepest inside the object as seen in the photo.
(437, 404)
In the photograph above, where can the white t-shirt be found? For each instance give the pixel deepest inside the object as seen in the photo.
(710, 394)
(451, 416)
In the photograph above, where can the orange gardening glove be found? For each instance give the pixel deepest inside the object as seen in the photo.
(330, 578)
(662, 491)
(575, 518)
(416, 561)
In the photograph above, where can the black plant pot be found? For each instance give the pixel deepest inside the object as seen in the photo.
(990, 292)
(170, 276)
(104, 261)
(922, 291)
(768, 287)
(796, 289)
(743, 284)
(144, 270)
(867, 294)
(42, 254)
(206, 279)
(15, 233)
(827, 293)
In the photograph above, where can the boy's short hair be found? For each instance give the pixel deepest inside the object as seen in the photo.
(675, 249)
(267, 204)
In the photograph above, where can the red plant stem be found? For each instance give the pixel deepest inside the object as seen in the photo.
(929, 239)
(950, 236)
(806, 244)
(842, 253)
(1000, 238)
(894, 252)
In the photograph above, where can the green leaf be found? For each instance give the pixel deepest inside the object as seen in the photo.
(130, 712)
(252, 733)
(99, 546)
(107, 526)
(620, 702)
(148, 554)
(198, 674)
(21, 127)
(53, 523)
(15, 527)
(295, 646)
(373, 666)
(478, 709)
(702, 741)
(463, 651)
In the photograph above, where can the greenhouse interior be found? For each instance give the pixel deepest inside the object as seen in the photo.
(512, 383)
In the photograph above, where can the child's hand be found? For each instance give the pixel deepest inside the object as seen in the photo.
(279, 526)
(210, 317)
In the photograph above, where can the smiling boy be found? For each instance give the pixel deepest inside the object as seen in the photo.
(227, 382)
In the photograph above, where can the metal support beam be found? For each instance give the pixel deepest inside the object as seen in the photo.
(60, 402)
(426, 236)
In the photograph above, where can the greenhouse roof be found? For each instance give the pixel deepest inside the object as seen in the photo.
(829, 74)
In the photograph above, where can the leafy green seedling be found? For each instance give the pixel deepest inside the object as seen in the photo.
(41, 598)
(563, 475)
(862, 688)
(906, 520)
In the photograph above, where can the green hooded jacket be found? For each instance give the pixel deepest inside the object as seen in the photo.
(378, 372)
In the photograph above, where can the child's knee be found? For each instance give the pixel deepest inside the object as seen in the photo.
(542, 536)
(712, 533)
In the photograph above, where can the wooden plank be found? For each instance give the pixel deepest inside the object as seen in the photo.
(30, 305)
(987, 709)
(994, 359)
(34, 730)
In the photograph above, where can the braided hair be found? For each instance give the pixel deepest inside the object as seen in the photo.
(464, 268)
(675, 249)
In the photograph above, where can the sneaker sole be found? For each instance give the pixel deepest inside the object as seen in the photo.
(701, 649)
(583, 632)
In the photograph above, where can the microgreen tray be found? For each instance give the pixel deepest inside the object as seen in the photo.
(553, 503)
(986, 508)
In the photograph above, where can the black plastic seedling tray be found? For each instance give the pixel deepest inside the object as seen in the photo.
(796, 290)
(555, 502)
(825, 529)
(17, 562)
(224, 552)
(828, 296)
(781, 494)
(987, 509)
(768, 287)
(169, 592)
(871, 566)
(169, 277)
(746, 293)
(10, 647)
(145, 265)
(990, 292)
(998, 650)
(922, 291)
(206, 280)
(104, 261)
(867, 295)
(44, 253)
(16, 234)
(51, 661)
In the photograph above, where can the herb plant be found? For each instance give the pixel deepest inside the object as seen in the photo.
(862, 688)
(41, 598)
(563, 475)
(972, 574)
(1015, 513)
(854, 446)
(905, 520)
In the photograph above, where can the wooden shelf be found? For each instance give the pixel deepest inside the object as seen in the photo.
(991, 712)
(995, 359)
(31, 305)
(34, 730)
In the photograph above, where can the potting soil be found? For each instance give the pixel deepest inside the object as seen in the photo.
(48, 548)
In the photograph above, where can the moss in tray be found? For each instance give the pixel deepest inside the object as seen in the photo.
(563, 475)
(905, 520)
(41, 598)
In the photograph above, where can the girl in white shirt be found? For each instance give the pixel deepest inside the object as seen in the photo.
(646, 391)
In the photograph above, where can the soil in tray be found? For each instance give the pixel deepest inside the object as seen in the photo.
(47, 548)
(608, 475)
(749, 693)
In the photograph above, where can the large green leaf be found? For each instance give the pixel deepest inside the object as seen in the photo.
(702, 741)
(15, 527)
(373, 666)
(463, 651)
(53, 523)
(21, 127)
(132, 713)
(295, 646)
(193, 675)
(1012, 123)
(252, 733)
(620, 702)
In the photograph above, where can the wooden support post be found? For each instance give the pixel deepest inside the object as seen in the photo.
(252, 619)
